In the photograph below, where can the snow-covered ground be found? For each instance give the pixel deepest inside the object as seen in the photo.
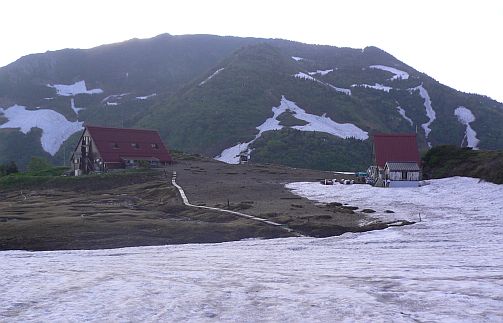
(211, 76)
(398, 74)
(297, 58)
(55, 127)
(402, 113)
(465, 116)
(430, 113)
(448, 268)
(74, 89)
(376, 86)
(314, 123)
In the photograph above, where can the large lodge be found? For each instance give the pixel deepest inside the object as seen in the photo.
(102, 148)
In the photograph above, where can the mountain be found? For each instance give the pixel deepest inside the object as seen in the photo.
(277, 101)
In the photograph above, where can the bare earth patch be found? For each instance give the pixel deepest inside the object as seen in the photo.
(146, 209)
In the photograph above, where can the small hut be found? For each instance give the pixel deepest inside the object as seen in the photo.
(396, 159)
(402, 174)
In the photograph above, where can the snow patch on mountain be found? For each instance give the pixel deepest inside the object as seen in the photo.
(74, 89)
(340, 89)
(305, 76)
(114, 97)
(322, 73)
(146, 97)
(314, 123)
(72, 106)
(430, 113)
(55, 127)
(211, 76)
(402, 113)
(465, 116)
(297, 58)
(398, 73)
(112, 104)
(376, 86)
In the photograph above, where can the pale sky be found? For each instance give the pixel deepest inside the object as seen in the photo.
(457, 42)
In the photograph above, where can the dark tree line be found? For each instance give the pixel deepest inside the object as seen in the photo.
(8, 168)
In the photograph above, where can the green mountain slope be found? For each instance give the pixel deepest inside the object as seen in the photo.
(447, 161)
(208, 94)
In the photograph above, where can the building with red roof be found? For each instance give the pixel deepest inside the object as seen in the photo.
(104, 148)
(396, 160)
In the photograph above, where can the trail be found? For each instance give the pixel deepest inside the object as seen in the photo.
(243, 215)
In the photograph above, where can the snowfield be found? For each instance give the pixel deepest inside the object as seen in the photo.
(447, 268)
(314, 123)
(55, 127)
(74, 89)
(465, 116)
(398, 74)
(297, 58)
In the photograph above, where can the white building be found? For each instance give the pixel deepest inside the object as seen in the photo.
(402, 174)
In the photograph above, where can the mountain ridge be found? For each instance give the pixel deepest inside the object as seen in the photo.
(207, 93)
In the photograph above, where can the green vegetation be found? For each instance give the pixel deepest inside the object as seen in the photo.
(447, 161)
(312, 150)
(8, 168)
(55, 177)
(287, 119)
(38, 164)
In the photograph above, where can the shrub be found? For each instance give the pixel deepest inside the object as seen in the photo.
(38, 164)
(8, 168)
(143, 164)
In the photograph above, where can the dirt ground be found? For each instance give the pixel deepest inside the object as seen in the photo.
(145, 209)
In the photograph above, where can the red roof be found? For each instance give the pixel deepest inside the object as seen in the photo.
(395, 148)
(116, 143)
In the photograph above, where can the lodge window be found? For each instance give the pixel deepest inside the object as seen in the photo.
(135, 145)
(115, 145)
(404, 175)
(154, 146)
